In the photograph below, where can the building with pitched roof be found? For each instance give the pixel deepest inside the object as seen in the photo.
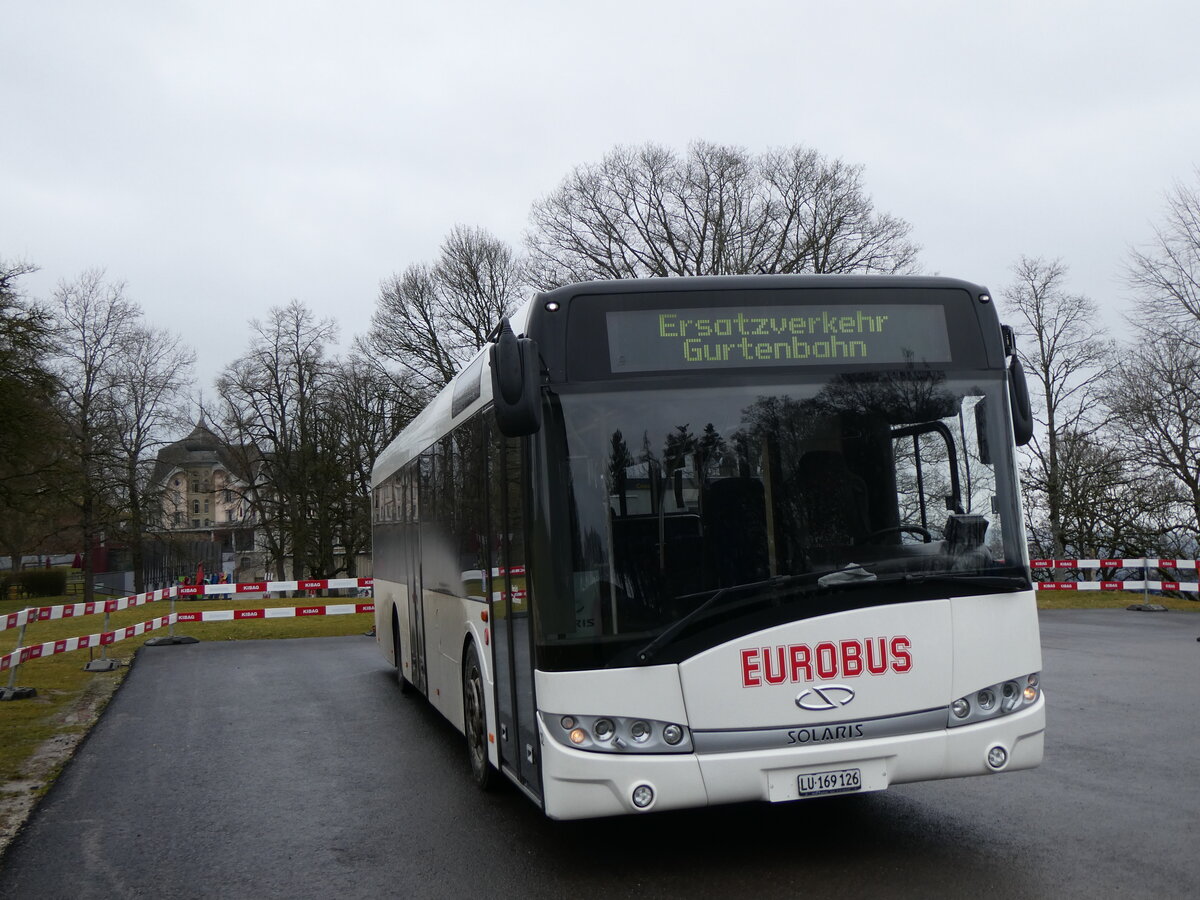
(203, 486)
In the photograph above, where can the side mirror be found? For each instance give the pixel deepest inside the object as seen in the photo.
(1018, 396)
(515, 383)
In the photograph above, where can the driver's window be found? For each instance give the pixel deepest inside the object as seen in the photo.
(925, 491)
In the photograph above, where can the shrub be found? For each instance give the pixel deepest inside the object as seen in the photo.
(43, 582)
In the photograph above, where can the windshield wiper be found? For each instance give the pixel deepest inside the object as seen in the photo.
(668, 634)
(1000, 581)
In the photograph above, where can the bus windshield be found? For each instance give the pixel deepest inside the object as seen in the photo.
(740, 506)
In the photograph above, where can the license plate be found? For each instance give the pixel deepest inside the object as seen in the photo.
(836, 781)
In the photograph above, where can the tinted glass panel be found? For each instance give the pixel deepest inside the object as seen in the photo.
(788, 500)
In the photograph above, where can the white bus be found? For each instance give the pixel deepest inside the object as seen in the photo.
(694, 541)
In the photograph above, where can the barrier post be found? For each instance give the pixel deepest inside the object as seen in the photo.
(103, 664)
(11, 691)
(1146, 605)
(171, 638)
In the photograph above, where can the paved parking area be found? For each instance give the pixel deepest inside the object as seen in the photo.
(295, 768)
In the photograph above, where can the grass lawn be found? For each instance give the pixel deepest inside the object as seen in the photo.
(37, 734)
(1109, 600)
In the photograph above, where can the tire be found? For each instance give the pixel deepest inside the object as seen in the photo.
(405, 687)
(474, 721)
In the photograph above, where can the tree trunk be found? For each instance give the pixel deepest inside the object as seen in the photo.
(87, 526)
(137, 534)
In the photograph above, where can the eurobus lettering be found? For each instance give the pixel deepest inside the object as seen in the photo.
(841, 659)
(651, 550)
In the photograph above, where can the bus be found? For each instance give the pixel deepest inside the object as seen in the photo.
(669, 543)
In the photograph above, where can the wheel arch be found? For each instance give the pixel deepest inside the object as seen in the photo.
(477, 639)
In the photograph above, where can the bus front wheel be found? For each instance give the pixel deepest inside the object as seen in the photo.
(475, 721)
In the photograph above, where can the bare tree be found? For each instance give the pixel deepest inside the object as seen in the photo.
(1156, 385)
(1166, 274)
(95, 320)
(431, 319)
(271, 406)
(1155, 393)
(1061, 346)
(647, 212)
(1112, 506)
(30, 438)
(152, 371)
(364, 413)
(27, 388)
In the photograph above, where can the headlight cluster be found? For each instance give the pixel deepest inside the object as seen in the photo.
(618, 734)
(996, 700)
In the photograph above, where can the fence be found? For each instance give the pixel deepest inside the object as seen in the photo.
(104, 639)
(1145, 583)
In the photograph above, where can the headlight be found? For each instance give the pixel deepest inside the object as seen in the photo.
(995, 700)
(617, 734)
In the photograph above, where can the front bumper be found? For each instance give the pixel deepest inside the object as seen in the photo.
(579, 784)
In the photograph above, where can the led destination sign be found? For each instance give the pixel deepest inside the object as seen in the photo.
(742, 336)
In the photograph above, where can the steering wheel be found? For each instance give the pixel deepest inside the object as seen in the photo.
(874, 538)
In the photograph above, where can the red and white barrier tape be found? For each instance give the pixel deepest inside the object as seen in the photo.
(282, 612)
(67, 645)
(1139, 563)
(266, 587)
(72, 610)
(1150, 562)
(1191, 586)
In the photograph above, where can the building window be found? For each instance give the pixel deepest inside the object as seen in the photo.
(206, 523)
(195, 523)
(206, 507)
(195, 506)
(228, 496)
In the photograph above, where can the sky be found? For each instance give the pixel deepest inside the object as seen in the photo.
(222, 158)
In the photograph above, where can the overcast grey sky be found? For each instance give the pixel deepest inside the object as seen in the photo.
(225, 157)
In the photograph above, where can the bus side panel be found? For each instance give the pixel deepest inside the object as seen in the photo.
(449, 622)
(440, 622)
(390, 598)
(385, 602)
(381, 621)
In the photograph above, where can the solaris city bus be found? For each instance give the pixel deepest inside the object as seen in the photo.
(675, 542)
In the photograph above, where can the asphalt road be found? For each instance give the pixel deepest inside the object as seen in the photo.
(295, 769)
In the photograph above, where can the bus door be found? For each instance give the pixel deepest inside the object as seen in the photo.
(416, 605)
(517, 737)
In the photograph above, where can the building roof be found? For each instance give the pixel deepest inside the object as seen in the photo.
(200, 448)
